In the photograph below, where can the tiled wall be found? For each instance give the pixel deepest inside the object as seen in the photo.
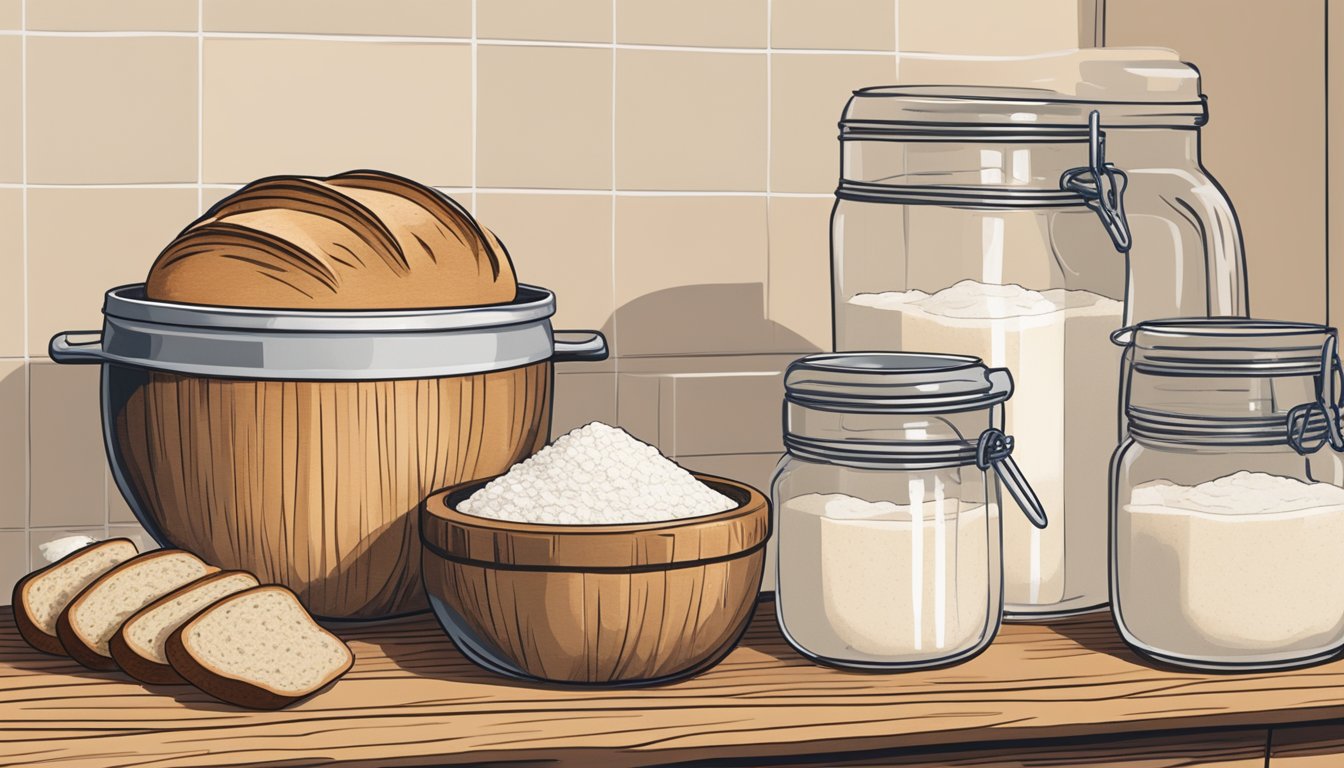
(665, 166)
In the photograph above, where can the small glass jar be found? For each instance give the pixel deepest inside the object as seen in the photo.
(1227, 515)
(886, 519)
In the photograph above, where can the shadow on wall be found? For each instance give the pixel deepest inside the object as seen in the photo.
(706, 319)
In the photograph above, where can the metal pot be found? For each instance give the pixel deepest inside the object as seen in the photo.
(298, 444)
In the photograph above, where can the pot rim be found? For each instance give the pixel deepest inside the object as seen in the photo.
(128, 302)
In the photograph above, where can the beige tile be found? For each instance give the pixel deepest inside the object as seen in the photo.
(118, 511)
(11, 109)
(11, 273)
(13, 444)
(1000, 28)
(808, 94)
(696, 405)
(1249, 97)
(579, 21)
(581, 398)
(13, 562)
(417, 18)
(39, 536)
(82, 242)
(97, 15)
(690, 120)
(798, 299)
(562, 243)
(133, 531)
(714, 23)
(67, 463)
(111, 110)
(862, 25)
(11, 14)
(690, 275)
(321, 107)
(545, 117)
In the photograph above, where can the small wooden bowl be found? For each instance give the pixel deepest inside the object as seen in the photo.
(607, 605)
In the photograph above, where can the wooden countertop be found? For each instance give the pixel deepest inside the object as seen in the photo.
(412, 699)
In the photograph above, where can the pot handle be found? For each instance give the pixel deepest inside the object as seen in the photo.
(591, 346)
(63, 350)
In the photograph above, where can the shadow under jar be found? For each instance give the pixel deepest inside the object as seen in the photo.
(298, 445)
(1228, 509)
(887, 519)
(1023, 227)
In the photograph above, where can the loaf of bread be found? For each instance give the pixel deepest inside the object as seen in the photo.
(357, 240)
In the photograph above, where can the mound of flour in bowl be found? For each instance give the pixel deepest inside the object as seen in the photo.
(596, 475)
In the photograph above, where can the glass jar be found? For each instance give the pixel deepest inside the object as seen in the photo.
(1228, 509)
(886, 519)
(989, 222)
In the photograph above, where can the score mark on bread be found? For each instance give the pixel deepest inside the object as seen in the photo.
(357, 240)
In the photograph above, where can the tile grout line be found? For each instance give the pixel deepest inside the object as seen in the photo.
(188, 185)
(27, 309)
(475, 112)
(769, 145)
(200, 106)
(615, 358)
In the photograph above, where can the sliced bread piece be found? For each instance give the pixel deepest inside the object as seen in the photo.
(137, 646)
(258, 649)
(40, 596)
(88, 622)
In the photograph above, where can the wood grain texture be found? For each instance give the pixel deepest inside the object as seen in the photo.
(315, 485)
(1213, 749)
(1311, 746)
(412, 699)
(598, 604)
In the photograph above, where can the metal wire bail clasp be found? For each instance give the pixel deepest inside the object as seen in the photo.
(1101, 185)
(995, 449)
(1329, 392)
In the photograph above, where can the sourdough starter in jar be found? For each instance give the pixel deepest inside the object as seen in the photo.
(1066, 371)
(889, 579)
(1242, 563)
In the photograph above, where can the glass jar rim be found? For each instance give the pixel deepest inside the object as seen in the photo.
(1225, 346)
(970, 113)
(895, 382)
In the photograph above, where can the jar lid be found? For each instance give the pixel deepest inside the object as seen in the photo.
(895, 382)
(1130, 87)
(1226, 346)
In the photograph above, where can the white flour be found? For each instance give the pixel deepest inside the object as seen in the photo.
(1248, 562)
(596, 475)
(884, 580)
(1062, 414)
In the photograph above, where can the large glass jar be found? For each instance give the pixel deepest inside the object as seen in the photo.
(886, 516)
(1228, 508)
(1023, 227)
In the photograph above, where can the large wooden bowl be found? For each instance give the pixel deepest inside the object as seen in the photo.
(597, 604)
(316, 484)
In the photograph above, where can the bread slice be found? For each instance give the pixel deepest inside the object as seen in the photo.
(137, 646)
(40, 596)
(258, 649)
(88, 622)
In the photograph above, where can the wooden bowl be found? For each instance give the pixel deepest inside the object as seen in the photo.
(595, 604)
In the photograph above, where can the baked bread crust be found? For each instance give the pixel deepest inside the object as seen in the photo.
(358, 240)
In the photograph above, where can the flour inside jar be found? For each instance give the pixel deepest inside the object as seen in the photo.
(1057, 345)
